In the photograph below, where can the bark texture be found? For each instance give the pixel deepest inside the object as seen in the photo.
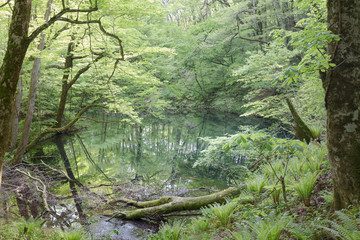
(302, 131)
(32, 94)
(170, 204)
(342, 85)
(10, 69)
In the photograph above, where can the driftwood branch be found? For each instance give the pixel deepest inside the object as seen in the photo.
(42, 191)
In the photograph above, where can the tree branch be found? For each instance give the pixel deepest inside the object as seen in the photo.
(101, 28)
(55, 18)
(60, 129)
(43, 191)
(6, 3)
(82, 70)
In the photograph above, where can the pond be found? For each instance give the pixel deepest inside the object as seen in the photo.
(149, 160)
(155, 152)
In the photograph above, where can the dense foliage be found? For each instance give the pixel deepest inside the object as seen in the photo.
(150, 57)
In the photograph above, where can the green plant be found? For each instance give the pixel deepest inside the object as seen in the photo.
(297, 167)
(269, 228)
(200, 224)
(257, 184)
(73, 234)
(328, 196)
(168, 232)
(224, 212)
(316, 131)
(347, 229)
(313, 157)
(305, 185)
(299, 231)
(275, 194)
(242, 234)
(30, 229)
(270, 171)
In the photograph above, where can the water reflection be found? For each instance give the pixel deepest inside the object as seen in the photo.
(157, 152)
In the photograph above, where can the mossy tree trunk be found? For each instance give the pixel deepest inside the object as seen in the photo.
(342, 84)
(32, 94)
(10, 69)
(170, 204)
(302, 131)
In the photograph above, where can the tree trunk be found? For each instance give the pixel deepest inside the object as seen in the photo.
(10, 69)
(16, 117)
(31, 98)
(65, 87)
(343, 102)
(171, 204)
(302, 131)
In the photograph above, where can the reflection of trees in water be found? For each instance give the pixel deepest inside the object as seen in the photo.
(77, 200)
(154, 150)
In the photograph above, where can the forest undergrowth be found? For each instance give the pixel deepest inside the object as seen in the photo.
(288, 196)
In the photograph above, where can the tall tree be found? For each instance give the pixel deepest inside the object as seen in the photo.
(342, 99)
(32, 94)
(17, 46)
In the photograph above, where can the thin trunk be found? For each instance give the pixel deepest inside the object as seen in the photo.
(65, 86)
(32, 94)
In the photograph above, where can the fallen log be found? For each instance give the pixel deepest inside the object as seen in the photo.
(170, 204)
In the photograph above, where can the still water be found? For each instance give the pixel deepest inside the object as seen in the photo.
(159, 152)
(149, 160)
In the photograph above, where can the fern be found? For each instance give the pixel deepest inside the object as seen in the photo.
(305, 187)
(346, 229)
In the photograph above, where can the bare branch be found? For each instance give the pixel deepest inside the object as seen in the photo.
(55, 18)
(6, 3)
(43, 191)
(82, 70)
(101, 28)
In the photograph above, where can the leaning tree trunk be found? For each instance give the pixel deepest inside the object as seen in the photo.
(10, 69)
(343, 102)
